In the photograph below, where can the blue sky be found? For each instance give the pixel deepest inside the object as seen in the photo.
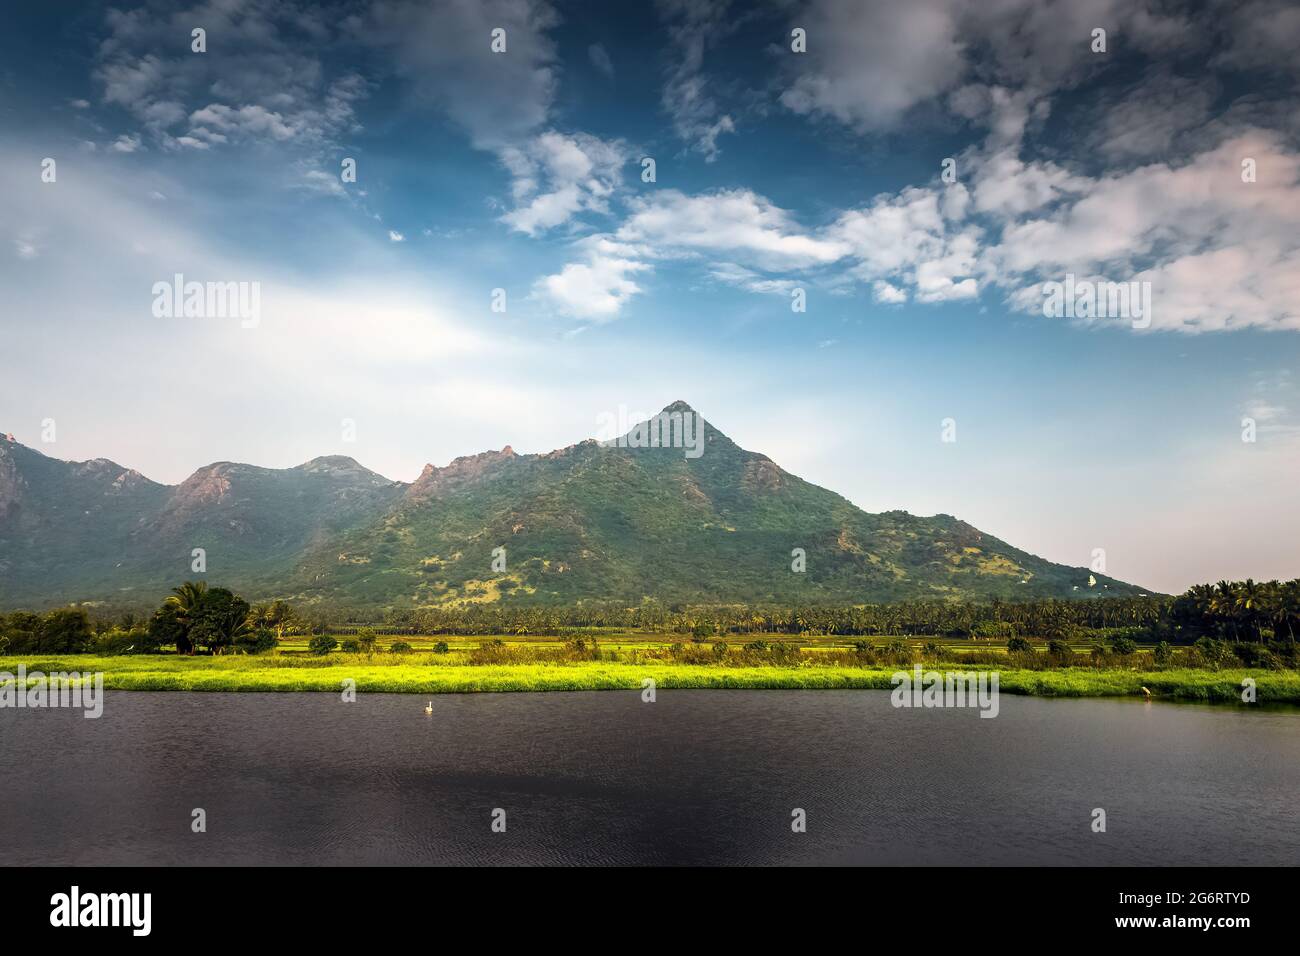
(775, 171)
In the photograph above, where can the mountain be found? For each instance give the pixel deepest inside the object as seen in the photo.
(594, 521)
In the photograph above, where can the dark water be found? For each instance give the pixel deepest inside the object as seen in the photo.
(602, 778)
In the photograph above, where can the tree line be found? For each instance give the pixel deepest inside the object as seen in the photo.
(193, 617)
(216, 620)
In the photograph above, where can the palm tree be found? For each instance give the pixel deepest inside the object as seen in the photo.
(185, 602)
(233, 625)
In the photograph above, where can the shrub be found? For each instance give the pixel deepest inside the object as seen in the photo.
(931, 649)
(441, 648)
(702, 631)
(1256, 655)
(257, 641)
(1060, 649)
(122, 641)
(1163, 654)
(1018, 645)
(1213, 653)
(322, 644)
(366, 640)
(1123, 646)
(401, 647)
(785, 652)
(350, 647)
(759, 645)
(720, 649)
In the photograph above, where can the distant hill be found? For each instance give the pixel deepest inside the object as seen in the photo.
(587, 522)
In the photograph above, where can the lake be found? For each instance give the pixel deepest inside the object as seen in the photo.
(698, 777)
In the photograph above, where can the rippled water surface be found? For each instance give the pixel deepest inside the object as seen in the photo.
(697, 777)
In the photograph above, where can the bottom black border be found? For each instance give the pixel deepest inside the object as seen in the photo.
(304, 905)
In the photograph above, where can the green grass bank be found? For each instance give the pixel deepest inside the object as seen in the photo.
(445, 674)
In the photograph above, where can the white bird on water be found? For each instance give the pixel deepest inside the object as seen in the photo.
(428, 708)
(1146, 693)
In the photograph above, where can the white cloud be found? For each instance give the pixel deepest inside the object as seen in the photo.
(557, 176)
(126, 144)
(263, 82)
(907, 237)
(597, 288)
(1007, 187)
(889, 294)
(1227, 253)
(736, 222)
(395, 236)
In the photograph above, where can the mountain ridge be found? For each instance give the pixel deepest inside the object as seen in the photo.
(594, 521)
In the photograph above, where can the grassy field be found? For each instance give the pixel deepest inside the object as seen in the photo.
(420, 673)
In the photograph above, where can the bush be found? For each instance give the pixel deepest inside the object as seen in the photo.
(1018, 645)
(759, 645)
(1214, 653)
(931, 649)
(1163, 654)
(401, 647)
(1256, 655)
(258, 641)
(322, 644)
(702, 631)
(122, 641)
(1060, 649)
(366, 640)
(350, 647)
(785, 652)
(1123, 646)
(441, 648)
(720, 649)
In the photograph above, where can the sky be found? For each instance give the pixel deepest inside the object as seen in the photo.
(843, 242)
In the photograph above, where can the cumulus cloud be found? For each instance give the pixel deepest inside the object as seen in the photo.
(595, 289)
(1219, 252)
(557, 176)
(264, 83)
(737, 222)
(126, 144)
(869, 64)
(907, 237)
(883, 291)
